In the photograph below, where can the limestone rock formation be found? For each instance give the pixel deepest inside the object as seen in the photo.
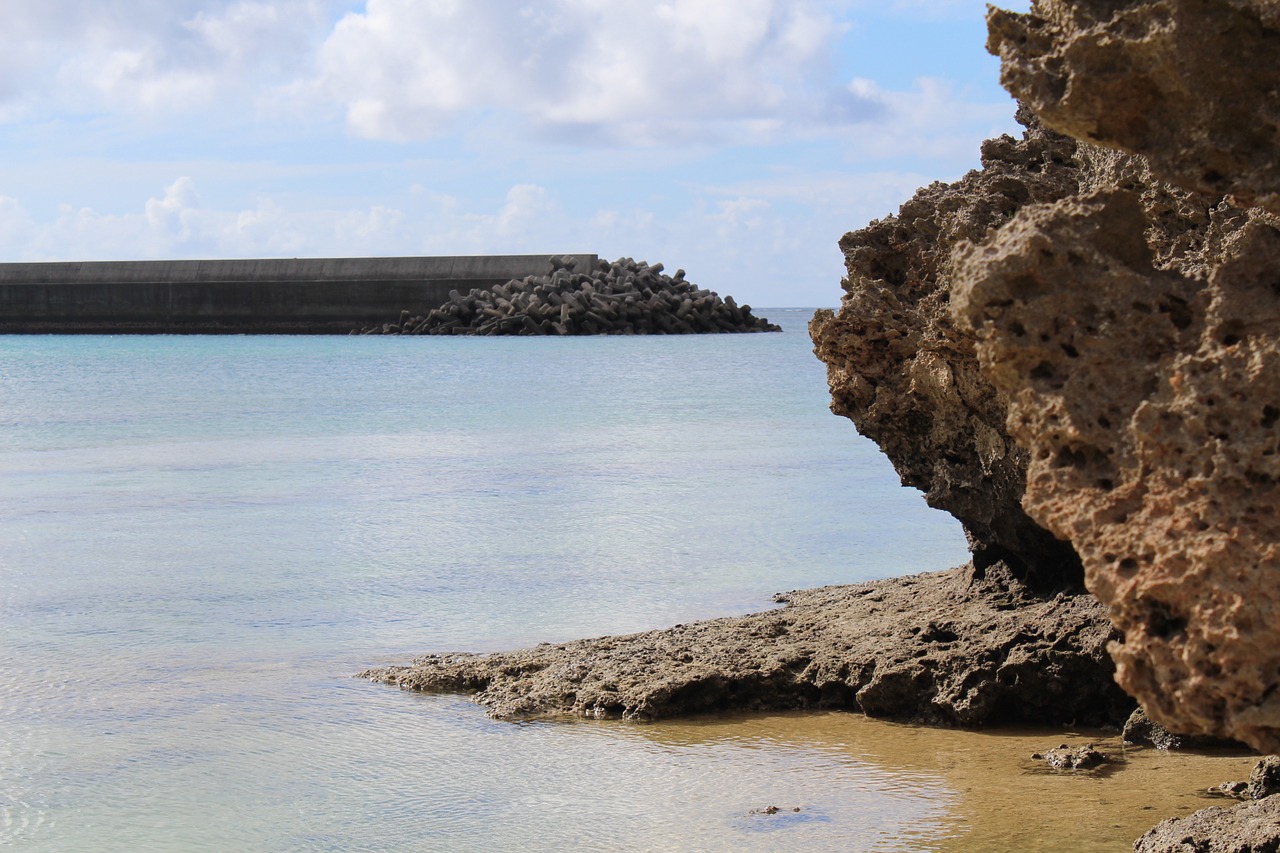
(910, 381)
(1141, 730)
(1252, 827)
(1148, 402)
(946, 648)
(1192, 86)
(1140, 372)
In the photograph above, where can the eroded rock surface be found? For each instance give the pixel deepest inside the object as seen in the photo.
(1141, 730)
(1065, 758)
(1149, 403)
(1252, 827)
(1193, 85)
(1140, 368)
(944, 648)
(910, 381)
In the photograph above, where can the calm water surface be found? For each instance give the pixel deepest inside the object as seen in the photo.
(202, 538)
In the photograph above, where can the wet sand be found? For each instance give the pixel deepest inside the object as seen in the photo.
(1003, 799)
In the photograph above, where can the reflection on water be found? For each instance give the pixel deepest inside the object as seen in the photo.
(202, 538)
(403, 771)
(995, 797)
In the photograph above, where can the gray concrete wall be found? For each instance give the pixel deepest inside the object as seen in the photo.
(289, 296)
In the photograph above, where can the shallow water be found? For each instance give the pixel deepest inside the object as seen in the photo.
(201, 539)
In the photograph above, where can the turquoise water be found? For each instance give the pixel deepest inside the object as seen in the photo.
(202, 538)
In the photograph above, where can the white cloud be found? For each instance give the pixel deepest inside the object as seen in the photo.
(172, 215)
(176, 224)
(622, 71)
(933, 121)
(629, 73)
(151, 55)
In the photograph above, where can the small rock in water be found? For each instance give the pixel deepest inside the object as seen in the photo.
(1230, 789)
(1080, 758)
(1265, 778)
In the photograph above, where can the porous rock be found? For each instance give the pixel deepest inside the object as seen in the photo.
(1141, 382)
(1141, 730)
(1148, 403)
(946, 648)
(1192, 85)
(1078, 758)
(909, 380)
(1252, 827)
(1264, 779)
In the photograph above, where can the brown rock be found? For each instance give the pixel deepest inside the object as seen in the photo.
(1264, 780)
(942, 648)
(1193, 85)
(1147, 400)
(1252, 827)
(910, 381)
(1144, 731)
(1079, 758)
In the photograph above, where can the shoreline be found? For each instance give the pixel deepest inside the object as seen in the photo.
(946, 656)
(959, 648)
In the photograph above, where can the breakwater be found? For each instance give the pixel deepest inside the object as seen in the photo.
(625, 297)
(262, 296)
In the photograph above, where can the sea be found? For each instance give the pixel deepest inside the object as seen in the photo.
(203, 539)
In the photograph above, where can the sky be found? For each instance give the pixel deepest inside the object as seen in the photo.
(736, 139)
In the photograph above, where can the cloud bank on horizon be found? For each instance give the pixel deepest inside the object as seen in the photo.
(735, 138)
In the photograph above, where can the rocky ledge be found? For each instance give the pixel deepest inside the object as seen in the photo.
(1250, 827)
(626, 297)
(952, 648)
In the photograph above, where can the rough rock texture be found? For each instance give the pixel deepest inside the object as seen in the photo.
(910, 381)
(1143, 384)
(946, 648)
(626, 297)
(1149, 404)
(1252, 827)
(1264, 781)
(1080, 758)
(1190, 84)
(1141, 730)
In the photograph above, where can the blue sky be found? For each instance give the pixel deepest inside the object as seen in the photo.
(738, 139)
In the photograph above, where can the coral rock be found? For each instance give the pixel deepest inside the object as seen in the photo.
(945, 648)
(1149, 405)
(1192, 86)
(1252, 827)
(910, 381)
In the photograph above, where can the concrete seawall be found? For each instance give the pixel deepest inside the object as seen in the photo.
(266, 296)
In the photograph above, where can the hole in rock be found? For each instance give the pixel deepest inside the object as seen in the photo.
(1128, 566)
(1178, 310)
(1043, 371)
(1163, 622)
(1082, 458)
(1270, 414)
(1071, 351)
(1023, 286)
